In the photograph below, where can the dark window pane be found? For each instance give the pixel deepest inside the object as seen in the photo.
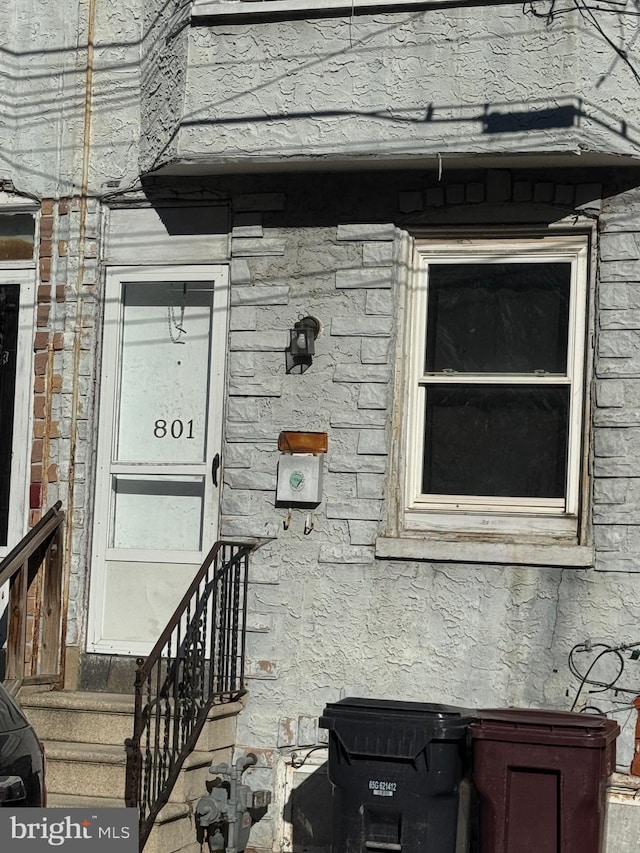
(498, 318)
(9, 296)
(507, 441)
(16, 236)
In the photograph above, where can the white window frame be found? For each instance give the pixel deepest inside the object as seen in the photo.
(23, 274)
(438, 514)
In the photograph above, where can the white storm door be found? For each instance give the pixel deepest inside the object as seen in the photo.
(160, 428)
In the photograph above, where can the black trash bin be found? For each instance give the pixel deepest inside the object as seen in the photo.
(396, 770)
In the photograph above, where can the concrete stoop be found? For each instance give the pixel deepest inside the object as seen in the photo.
(83, 735)
(623, 814)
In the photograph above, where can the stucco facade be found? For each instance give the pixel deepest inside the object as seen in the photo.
(305, 156)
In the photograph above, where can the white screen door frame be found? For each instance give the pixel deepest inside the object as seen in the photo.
(159, 439)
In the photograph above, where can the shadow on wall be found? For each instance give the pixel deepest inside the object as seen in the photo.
(307, 810)
(307, 813)
(589, 118)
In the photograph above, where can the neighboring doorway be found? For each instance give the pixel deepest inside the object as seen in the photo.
(16, 354)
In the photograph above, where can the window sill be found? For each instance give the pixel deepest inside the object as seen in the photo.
(495, 553)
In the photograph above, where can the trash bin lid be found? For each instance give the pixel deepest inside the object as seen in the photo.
(390, 728)
(377, 708)
(544, 726)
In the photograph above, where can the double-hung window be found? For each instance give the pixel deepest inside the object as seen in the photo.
(493, 442)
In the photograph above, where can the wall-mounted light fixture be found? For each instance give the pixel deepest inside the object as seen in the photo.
(302, 344)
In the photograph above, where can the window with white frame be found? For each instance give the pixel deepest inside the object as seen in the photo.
(493, 440)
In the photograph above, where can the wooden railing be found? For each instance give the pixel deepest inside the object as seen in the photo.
(198, 660)
(36, 611)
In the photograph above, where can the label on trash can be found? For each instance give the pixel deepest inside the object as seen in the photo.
(382, 789)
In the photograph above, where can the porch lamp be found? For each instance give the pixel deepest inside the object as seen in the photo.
(303, 336)
(302, 344)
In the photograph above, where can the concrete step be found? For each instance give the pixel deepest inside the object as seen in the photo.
(85, 768)
(74, 769)
(72, 715)
(174, 831)
(191, 783)
(71, 801)
(83, 735)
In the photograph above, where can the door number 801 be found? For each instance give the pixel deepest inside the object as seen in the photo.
(175, 429)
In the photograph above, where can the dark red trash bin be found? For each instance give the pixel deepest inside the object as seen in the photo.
(541, 780)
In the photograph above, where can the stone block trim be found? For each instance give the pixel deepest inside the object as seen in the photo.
(367, 326)
(252, 247)
(247, 225)
(362, 232)
(259, 295)
(364, 277)
(499, 187)
(617, 392)
(259, 341)
(346, 555)
(47, 363)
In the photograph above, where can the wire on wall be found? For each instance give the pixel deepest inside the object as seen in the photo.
(612, 654)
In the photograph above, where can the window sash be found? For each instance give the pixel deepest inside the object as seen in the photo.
(560, 249)
(508, 440)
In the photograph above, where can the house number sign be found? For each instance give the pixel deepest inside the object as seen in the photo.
(175, 429)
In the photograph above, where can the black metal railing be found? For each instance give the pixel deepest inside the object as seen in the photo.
(198, 660)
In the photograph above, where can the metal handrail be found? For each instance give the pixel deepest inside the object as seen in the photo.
(36, 562)
(198, 660)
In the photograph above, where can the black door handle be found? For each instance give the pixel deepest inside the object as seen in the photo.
(215, 464)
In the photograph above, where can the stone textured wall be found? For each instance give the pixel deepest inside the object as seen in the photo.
(617, 457)
(326, 617)
(448, 81)
(123, 39)
(163, 74)
(42, 66)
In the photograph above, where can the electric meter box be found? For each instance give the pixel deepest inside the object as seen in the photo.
(300, 478)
